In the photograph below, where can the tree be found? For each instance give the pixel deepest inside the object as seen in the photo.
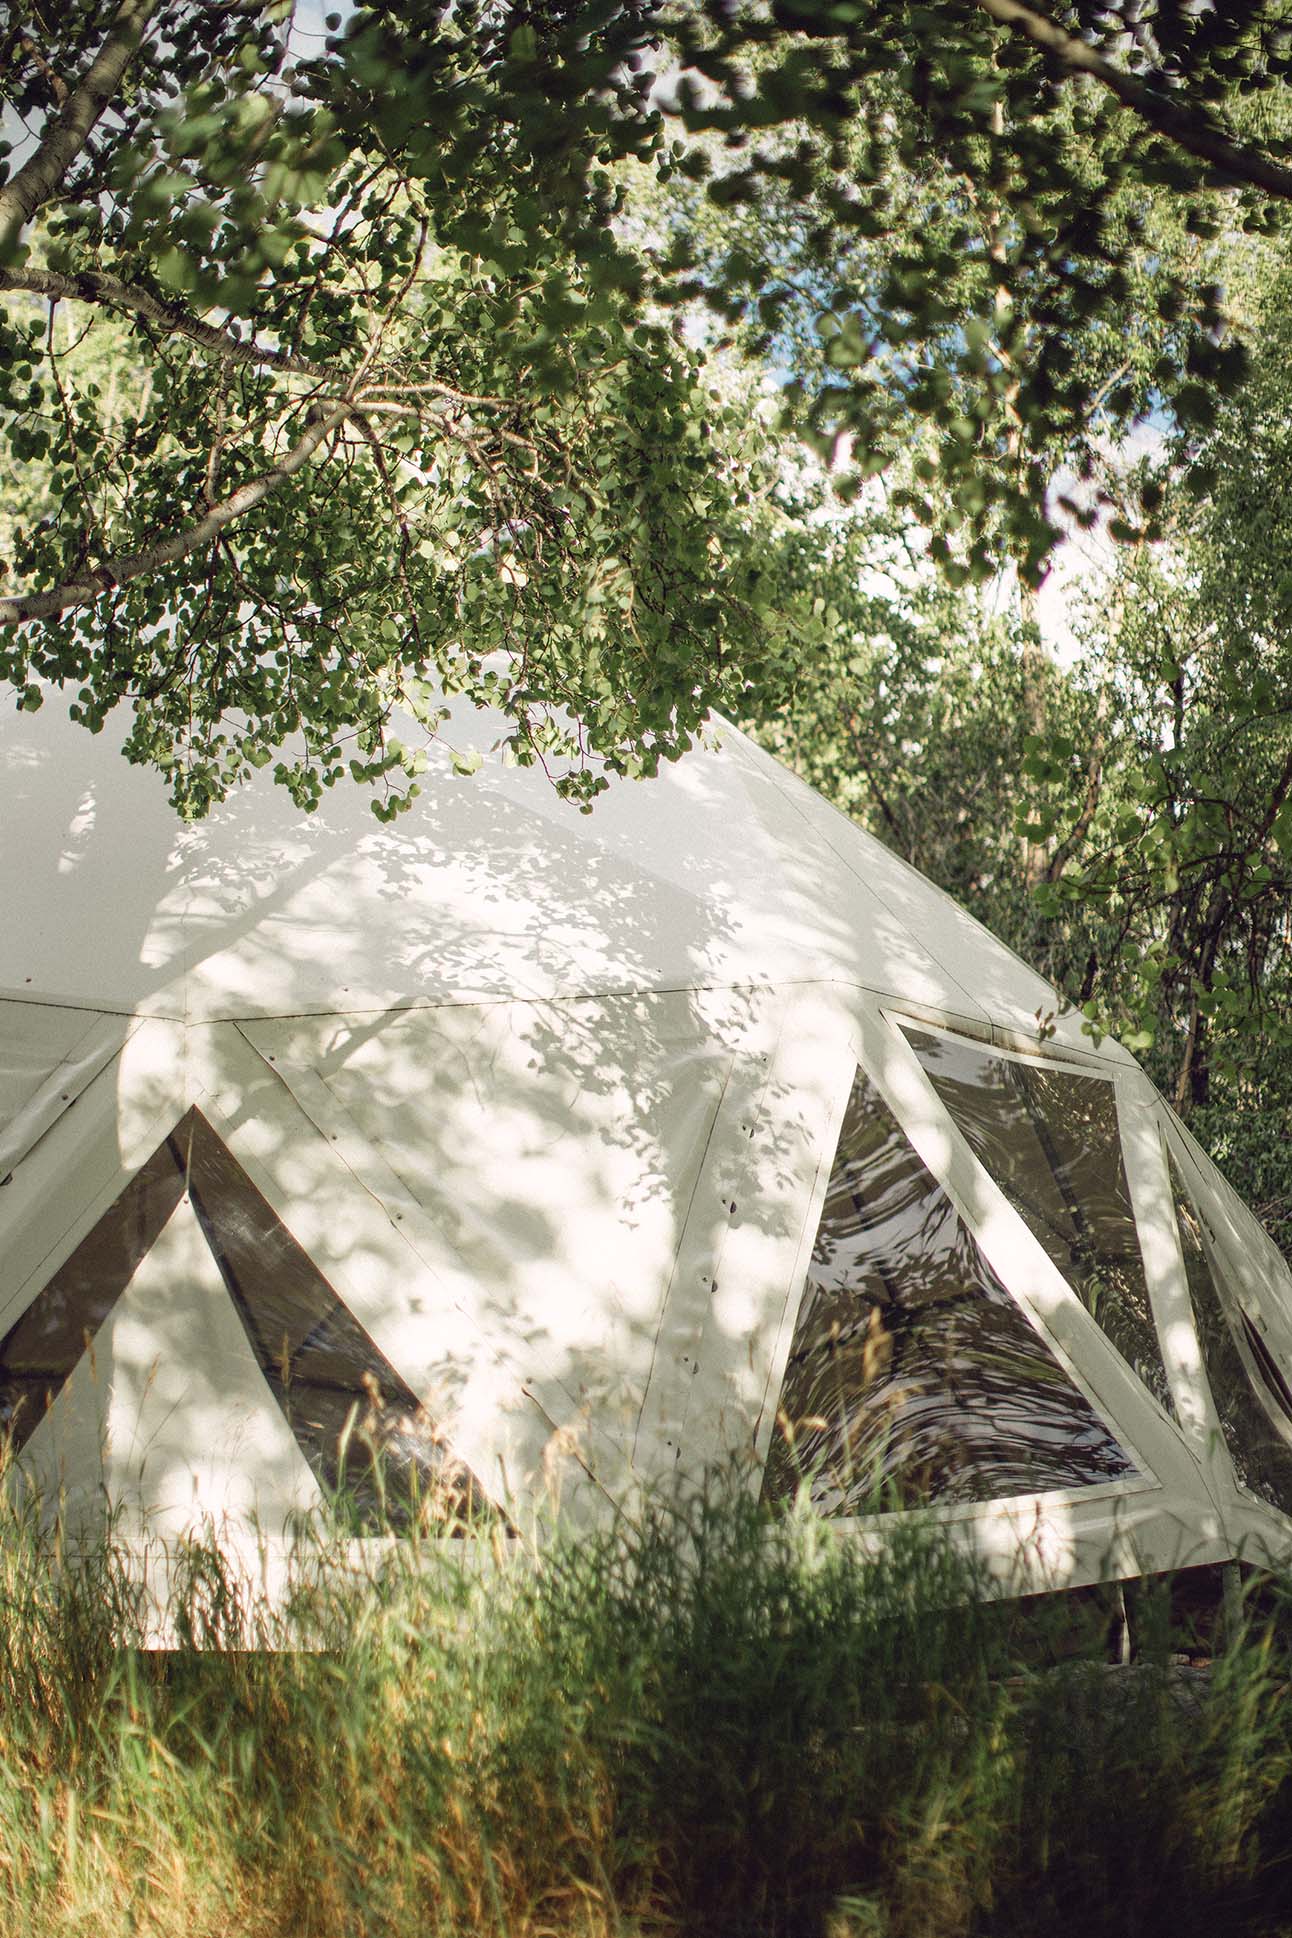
(998, 225)
(396, 410)
(334, 391)
(1190, 849)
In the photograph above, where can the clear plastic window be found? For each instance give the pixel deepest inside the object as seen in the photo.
(1246, 1385)
(913, 1375)
(1049, 1139)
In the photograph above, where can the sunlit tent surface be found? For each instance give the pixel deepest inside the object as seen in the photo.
(505, 1153)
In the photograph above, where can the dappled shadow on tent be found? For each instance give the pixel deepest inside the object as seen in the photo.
(599, 1110)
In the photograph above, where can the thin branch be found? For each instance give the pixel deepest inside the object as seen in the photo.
(92, 523)
(167, 551)
(397, 512)
(1094, 785)
(41, 174)
(1185, 127)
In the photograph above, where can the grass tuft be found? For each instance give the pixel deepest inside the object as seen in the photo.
(699, 1721)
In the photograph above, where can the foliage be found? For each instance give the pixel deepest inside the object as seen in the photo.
(912, 706)
(1188, 851)
(1120, 820)
(996, 221)
(369, 396)
(693, 1721)
(359, 397)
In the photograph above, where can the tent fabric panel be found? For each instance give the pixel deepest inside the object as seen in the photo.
(40, 1351)
(387, 1257)
(832, 919)
(47, 1056)
(1050, 1139)
(941, 936)
(84, 1161)
(357, 1422)
(1047, 1542)
(34, 1039)
(727, 872)
(556, 1148)
(738, 1247)
(913, 1374)
(1148, 1176)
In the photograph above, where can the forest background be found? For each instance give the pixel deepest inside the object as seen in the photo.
(613, 361)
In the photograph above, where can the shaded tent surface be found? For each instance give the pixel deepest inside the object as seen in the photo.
(437, 1169)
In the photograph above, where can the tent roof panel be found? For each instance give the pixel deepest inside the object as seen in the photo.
(725, 870)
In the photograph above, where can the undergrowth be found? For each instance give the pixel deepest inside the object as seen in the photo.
(700, 1721)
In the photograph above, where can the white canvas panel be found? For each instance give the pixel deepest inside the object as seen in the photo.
(167, 1419)
(47, 1058)
(480, 895)
(491, 887)
(739, 1267)
(916, 932)
(1045, 1543)
(478, 1376)
(723, 871)
(36, 1042)
(1150, 1187)
(556, 1147)
(69, 1178)
(96, 841)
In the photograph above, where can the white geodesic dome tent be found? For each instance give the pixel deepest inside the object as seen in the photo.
(550, 1150)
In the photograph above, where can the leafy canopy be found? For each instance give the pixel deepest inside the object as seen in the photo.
(333, 379)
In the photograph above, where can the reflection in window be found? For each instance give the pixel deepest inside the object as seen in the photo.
(358, 1424)
(1049, 1140)
(1262, 1457)
(913, 1376)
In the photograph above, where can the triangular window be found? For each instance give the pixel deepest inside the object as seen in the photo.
(913, 1375)
(369, 1443)
(1049, 1139)
(1247, 1387)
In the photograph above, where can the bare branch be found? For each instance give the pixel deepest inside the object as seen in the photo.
(166, 551)
(1186, 127)
(41, 173)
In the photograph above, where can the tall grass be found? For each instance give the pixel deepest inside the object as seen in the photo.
(699, 1721)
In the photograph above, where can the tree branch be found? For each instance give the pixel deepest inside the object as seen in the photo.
(42, 172)
(91, 286)
(166, 551)
(1094, 785)
(1185, 127)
